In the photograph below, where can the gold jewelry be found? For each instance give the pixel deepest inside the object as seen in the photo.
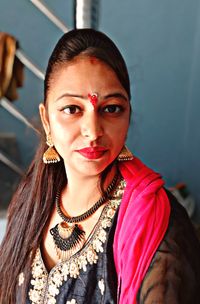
(68, 236)
(50, 155)
(67, 239)
(125, 154)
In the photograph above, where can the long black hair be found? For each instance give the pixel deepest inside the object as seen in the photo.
(33, 201)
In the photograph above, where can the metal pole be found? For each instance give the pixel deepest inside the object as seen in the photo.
(50, 15)
(86, 13)
(27, 62)
(7, 105)
(4, 159)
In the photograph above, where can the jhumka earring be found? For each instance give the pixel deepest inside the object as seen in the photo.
(51, 155)
(125, 154)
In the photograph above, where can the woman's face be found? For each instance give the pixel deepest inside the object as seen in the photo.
(87, 132)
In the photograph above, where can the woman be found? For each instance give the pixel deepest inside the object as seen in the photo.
(90, 223)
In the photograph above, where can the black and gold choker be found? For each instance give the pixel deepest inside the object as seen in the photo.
(68, 239)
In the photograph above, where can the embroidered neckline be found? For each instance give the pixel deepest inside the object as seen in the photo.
(45, 286)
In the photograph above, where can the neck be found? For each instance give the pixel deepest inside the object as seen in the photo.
(82, 192)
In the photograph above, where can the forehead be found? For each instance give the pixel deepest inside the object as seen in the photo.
(84, 75)
(79, 63)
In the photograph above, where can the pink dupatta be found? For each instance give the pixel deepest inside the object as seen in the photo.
(142, 222)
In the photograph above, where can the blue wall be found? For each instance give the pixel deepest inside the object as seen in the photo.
(161, 43)
(37, 36)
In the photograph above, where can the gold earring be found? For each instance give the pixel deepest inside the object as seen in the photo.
(51, 155)
(125, 154)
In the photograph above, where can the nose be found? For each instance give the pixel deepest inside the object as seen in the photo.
(91, 126)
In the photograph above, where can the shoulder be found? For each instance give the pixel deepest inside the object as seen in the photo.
(174, 273)
(182, 234)
(180, 226)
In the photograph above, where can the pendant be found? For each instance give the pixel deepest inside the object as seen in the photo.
(67, 239)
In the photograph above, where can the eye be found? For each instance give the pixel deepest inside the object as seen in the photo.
(71, 109)
(113, 109)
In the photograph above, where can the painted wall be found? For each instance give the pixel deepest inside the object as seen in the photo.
(161, 43)
(37, 36)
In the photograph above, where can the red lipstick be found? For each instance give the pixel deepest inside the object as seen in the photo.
(92, 152)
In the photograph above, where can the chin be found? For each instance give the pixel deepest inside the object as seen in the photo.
(91, 168)
(88, 167)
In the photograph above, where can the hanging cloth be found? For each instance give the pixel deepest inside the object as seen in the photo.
(11, 68)
(142, 223)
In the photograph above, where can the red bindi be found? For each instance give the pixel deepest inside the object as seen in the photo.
(93, 60)
(93, 98)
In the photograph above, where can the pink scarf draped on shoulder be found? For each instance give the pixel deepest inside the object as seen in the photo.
(142, 222)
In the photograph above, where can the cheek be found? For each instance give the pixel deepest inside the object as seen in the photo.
(120, 128)
(61, 132)
(55, 124)
(118, 136)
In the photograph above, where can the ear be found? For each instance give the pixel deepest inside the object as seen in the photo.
(44, 118)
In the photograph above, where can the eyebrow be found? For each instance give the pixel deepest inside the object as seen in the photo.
(70, 95)
(115, 95)
(112, 95)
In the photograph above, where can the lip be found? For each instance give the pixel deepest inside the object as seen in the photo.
(92, 152)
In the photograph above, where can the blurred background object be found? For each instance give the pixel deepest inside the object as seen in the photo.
(11, 68)
(183, 195)
(86, 13)
(11, 78)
